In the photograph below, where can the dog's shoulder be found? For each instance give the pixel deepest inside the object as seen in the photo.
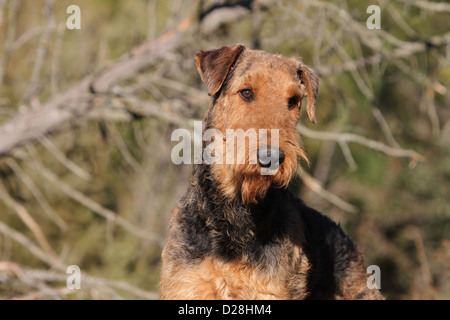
(321, 229)
(331, 253)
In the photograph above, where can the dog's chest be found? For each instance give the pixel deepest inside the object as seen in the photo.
(216, 279)
(235, 280)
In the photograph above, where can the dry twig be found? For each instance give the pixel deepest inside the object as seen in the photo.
(351, 137)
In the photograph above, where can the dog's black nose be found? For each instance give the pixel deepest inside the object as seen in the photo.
(270, 157)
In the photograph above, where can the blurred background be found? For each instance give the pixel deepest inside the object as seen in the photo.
(86, 117)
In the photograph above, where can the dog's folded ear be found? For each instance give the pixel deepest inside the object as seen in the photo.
(214, 65)
(311, 83)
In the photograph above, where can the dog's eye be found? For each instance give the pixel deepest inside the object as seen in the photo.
(293, 102)
(246, 94)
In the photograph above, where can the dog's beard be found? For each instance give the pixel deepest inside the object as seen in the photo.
(247, 181)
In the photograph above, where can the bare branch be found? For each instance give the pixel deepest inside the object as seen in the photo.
(30, 246)
(41, 52)
(36, 192)
(66, 106)
(350, 137)
(348, 155)
(40, 278)
(428, 5)
(28, 221)
(140, 58)
(96, 207)
(129, 158)
(10, 35)
(35, 123)
(315, 186)
(56, 58)
(69, 164)
(384, 127)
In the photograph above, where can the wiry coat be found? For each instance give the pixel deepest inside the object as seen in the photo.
(233, 237)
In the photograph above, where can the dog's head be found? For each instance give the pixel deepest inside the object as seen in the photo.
(251, 123)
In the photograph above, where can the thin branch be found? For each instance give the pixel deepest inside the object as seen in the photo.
(129, 158)
(13, 12)
(36, 192)
(44, 293)
(56, 58)
(77, 100)
(35, 123)
(398, 19)
(315, 186)
(139, 58)
(428, 5)
(41, 52)
(350, 137)
(432, 111)
(27, 36)
(28, 220)
(324, 161)
(384, 127)
(403, 52)
(32, 277)
(179, 86)
(366, 89)
(69, 164)
(96, 207)
(31, 247)
(348, 155)
(123, 286)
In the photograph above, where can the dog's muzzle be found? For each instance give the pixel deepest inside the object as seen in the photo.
(270, 157)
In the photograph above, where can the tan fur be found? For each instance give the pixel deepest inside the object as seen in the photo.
(215, 279)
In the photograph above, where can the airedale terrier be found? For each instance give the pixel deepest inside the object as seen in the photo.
(238, 233)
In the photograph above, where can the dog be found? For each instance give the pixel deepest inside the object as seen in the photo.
(238, 232)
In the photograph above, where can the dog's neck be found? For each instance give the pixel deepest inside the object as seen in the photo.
(234, 226)
(209, 187)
